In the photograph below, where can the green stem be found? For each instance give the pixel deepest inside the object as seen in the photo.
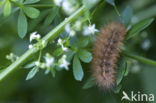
(117, 11)
(51, 35)
(41, 5)
(139, 58)
(147, 13)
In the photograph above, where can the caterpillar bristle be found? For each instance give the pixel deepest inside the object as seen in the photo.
(106, 53)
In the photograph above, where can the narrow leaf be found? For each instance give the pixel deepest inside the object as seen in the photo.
(50, 17)
(7, 8)
(138, 27)
(77, 69)
(31, 1)
(58, 52)
(32, 73)
(1, 3)
(89, 83)
(89, 3)
(127, 15)
(83, 42)
(111, 2)
(126, 69)
(30, 65)
(85, 56)
(22, 24)
(117, 89)
(31, 12)
(53, 72)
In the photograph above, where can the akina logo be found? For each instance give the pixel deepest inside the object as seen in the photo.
(140, 97)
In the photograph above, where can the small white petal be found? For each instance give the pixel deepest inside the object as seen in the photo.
(72, 33)
(60, 41)
(43, 43)
(30, 46)
(49, 61)
(86, 31)
(77, 25)
(32, 35)
(37, 63)
(58, 2)
(93, 29)
(38, 36)
(64, 49)
(65, 63)
(68, 7)
(90, 30)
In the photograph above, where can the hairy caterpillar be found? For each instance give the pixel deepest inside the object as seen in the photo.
(105, 54)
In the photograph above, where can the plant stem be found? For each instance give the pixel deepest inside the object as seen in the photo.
(51, 35)
(147, 13)
(139, 58)
(42, 5)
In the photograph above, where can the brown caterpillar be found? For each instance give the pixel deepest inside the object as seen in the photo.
(105, 54)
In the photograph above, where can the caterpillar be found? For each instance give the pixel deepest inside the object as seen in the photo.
(106, 51)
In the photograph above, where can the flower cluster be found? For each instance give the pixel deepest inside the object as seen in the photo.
(60, 42)
(64, 63)
(12, 57)
(35, 36)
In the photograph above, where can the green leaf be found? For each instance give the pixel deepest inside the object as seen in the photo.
(126, 15)
(89, 83)
(50, 17)
(89, 3)
(117, 89)
(32, 73)
(126, 69)
(22, 24)
(70, 55)
(53, 72)
(7, 8)
(138, 27)
(111, 2)
(31, 1)
(121, 70)
(83, 42)
(30, 65)
(1, 3)
(31, 12)
(85, 56)
(58, 52)
(77, 69)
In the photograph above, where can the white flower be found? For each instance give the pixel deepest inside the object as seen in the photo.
(72, 33)
(58, 2)
(60, 42)
(64, 63)
(37, 63)
(77, 25)
(49, 60)
(30, 46)
(67, 28)
(34, 35)
(90, 30)
(68, 7)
